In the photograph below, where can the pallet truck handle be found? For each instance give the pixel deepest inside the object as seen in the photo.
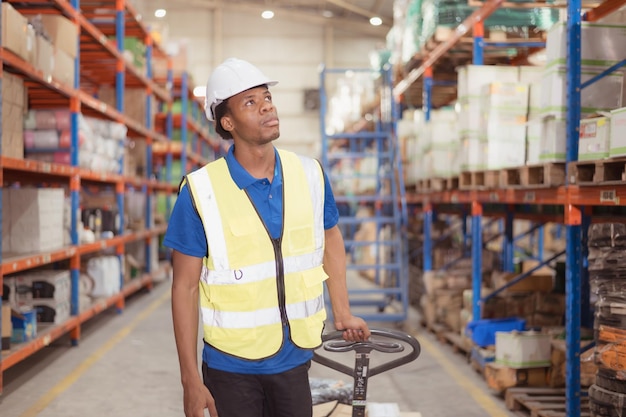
(367, 346)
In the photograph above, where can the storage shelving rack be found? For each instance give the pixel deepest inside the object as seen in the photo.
(388, 295)
(578, 205)
(99, 62)
(198, 143)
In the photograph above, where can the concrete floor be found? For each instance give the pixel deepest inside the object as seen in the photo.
(126, 366)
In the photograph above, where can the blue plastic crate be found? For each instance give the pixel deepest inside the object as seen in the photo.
(483, 332)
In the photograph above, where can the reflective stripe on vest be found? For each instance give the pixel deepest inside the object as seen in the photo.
(238, 285)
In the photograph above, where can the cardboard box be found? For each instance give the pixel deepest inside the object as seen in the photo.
(556, 374)
(45, 57)
(31, 46)
(6, 328)
(500, 377)
(35, 217)
(63, 70)
(472, 79)
(13, 90)
(604, 95)
(510, 97)
(12, 131)
(14, 31)
(594, 137)
(523, 349)
(472, 154)
(601, 44)
(51, 284)
(20, 292)
(499, 153)
(13, 107)
(553, 140)
(51, 311)
(617, 142)
(24, 326)
(533, 145)
(532, 75)
(549, 304)
(135, 102)
(63, 33)
(534, 282)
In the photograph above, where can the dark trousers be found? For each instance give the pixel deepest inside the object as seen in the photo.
(287, 394)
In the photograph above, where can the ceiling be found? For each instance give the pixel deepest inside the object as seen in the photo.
(347, 15)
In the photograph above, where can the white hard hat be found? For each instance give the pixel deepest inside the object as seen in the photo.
(231, 77)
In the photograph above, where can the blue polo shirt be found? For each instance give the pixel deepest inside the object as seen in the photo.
(185, 234)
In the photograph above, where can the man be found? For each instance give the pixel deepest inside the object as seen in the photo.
(254, 236)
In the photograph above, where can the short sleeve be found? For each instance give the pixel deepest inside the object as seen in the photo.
(331, 214)
(185, 232)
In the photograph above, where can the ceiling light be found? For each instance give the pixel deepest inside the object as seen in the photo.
(327, 14)
(199, 91)
(268, 14)
(376, 21)
(160, 13)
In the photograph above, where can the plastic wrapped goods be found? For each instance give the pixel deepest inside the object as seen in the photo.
(324, 390)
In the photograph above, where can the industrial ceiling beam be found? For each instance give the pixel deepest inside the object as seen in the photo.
(351, 7)
(339, 23)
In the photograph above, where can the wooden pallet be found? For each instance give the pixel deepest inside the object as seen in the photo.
(472, 180)
(466, 43)
(438, 184)
(458, 343)
(540, 402)
(598, 172)
(550, 174)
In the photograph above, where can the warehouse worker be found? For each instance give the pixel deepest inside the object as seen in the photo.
(254, 237)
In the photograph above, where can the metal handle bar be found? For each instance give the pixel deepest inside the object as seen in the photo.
(363, 347)
(370, 345)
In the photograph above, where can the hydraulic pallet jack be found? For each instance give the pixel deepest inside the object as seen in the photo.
(333, 342)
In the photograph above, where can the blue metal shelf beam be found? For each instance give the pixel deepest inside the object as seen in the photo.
(522, 276)
(603, 74)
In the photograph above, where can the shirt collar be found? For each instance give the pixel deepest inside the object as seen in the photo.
(238, 173)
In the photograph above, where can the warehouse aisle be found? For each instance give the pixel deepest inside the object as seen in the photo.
(126, 366)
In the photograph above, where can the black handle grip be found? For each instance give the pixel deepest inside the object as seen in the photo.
(368, 346)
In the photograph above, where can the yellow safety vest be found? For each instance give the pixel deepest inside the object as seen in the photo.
(251, 285)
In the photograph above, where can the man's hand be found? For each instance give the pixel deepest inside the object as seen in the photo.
(354, 329)
(196, 399)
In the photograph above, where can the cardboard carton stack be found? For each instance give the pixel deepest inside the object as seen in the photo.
(47, 292)
(471, 81)
(14, 105)
(602, 46)
(32, 219)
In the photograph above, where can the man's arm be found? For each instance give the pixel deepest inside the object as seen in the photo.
(185, 312)
(355, 328)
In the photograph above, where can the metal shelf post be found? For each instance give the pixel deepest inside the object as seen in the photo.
(427, 247)
(586, 319)
(169, 129)
(540, 241)
(120, 85)
(477, 257)
(573, 229)
(427, 100)
(149, 117)
(508, 242)
(184, 98)
(1, 186)
(479, 43)
(75, 187)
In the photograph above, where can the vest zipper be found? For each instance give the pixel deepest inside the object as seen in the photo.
(280, 279)
(280, 268)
